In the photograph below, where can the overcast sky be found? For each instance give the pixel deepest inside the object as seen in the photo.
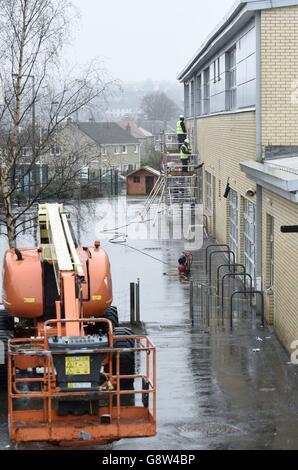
(140, 39)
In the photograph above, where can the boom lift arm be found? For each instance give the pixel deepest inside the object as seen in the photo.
(58, 247)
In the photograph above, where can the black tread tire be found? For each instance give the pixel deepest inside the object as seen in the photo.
(112, 315)
(6, 321)
(5, 336)
(127, 363)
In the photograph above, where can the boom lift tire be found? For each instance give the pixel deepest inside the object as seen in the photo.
(6, 333)
(112, 315)
(6, 321)
(127, 363)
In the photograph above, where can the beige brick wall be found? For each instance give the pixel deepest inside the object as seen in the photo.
(223, 142)
(282, 307)
(279, 75)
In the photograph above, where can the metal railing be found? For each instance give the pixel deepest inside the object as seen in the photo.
(244, 292)
(209, 296)
(34, 352)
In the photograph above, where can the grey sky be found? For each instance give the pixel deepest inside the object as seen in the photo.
(140, 39)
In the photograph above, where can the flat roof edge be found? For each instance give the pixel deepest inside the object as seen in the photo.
(253, 170)
(238, 7)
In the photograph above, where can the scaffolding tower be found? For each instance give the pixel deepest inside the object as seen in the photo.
(175, 186)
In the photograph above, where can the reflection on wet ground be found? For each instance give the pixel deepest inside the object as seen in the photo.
(214, 391)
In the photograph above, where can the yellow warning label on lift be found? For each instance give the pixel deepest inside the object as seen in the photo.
(96, 297)
(29, 300)
(77, 365)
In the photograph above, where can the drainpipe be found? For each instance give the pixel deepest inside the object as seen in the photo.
(258, 88)
(259, 193)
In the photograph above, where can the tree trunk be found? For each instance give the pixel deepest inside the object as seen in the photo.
(10, 225)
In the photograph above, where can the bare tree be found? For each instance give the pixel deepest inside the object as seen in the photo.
(158, 106)
(37, 104)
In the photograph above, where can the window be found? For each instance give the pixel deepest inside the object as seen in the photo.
(207, 91)
(186, 99)
(270, 228)
(26, 151)
(124, 149)
(199, 95)
(84, 173)
(55, 150)
(192, 98)
(234, 222)
(216, 70)
(136, 149)
(103, 150)
(209, 193)
(231, 79)
(116, 150)
(136, 179)
(249, 237)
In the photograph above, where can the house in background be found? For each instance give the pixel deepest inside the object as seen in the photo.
(144, 137)
(142, 181)
(157, 128)
(118, 148)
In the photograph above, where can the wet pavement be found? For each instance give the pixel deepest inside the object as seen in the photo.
(214, 391)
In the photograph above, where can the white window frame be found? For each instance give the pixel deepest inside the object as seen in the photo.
(84, 173)
(136, 149)
(249, 233)
(234, 229)
(125, 149)
(192, 98)
(199, 94)
(26, 151)
(214, 71)
(207, 90)
(232, 78)
(54, 152)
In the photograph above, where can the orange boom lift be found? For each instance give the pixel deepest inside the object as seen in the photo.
(70, 367)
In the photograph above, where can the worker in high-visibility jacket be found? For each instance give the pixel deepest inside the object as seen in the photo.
(181, 131)
(185, 153)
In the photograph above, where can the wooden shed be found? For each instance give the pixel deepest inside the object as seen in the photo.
(141, 182)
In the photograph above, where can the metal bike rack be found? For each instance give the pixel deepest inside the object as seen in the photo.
(229, 265)
(254, 292)
(207, 250)
(230, 252)
(245, 291)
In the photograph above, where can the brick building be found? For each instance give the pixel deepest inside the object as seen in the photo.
(241, 104)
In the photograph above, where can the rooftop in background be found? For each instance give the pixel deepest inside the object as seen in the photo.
(134, 130)
(156, 127)
(107, 133)
(238, 16)
(146, 168)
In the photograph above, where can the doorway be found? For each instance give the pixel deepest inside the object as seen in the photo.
(149, 184)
